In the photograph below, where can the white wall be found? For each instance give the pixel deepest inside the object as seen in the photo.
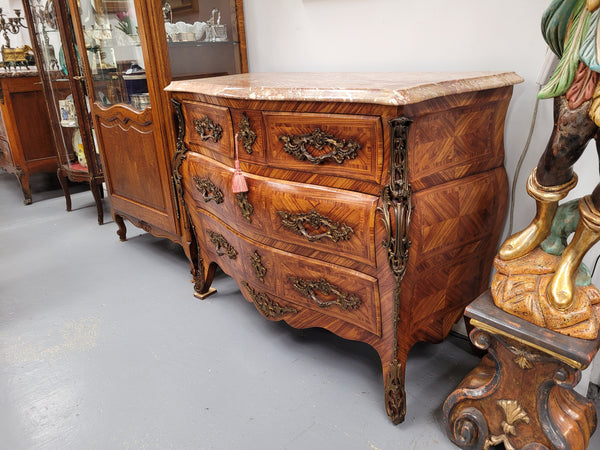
(433, 35)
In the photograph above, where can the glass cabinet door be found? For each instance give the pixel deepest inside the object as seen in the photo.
(203, 37)
(116, 61)
(59, 89)
(60, 68)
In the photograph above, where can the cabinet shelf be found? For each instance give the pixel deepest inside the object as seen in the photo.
(200, 43)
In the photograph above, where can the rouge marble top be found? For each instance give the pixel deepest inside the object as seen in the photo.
(18, 73)
(385, 88)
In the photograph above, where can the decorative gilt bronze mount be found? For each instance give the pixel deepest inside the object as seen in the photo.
(341, 149)
(296, 223)
(309, 288)
(207, 129)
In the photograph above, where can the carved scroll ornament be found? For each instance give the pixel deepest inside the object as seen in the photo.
(208, 189)
(513, 414)
(267, 306)
(222, 246)
(297, 222)
(246, 134)
(245, 206)
(309, 288)
(259, 270)
(341, 150)
(396, 209)
(395, 396)
(207, 129)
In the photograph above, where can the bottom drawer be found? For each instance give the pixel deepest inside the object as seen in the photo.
(332, 290)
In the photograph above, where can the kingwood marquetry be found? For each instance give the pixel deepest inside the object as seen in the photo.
(375, 219)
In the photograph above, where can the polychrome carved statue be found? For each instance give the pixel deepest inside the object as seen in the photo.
(543, 286)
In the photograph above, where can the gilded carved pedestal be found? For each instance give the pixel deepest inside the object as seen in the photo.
(521, 394)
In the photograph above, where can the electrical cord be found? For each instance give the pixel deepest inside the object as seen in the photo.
(550, 63)
(520, 163)
(595, 264)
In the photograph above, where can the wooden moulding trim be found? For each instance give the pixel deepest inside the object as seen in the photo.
(558, 356)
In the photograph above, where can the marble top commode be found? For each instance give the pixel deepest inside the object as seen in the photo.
(338, 173)
(385, 88)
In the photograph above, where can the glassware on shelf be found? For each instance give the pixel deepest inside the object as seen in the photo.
(185, 32)
(167, 12)
(217, 31)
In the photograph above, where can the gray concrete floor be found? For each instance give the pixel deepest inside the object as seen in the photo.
(103, 346)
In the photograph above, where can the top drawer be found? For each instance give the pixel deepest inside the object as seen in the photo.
(331, 144)
(340, 145)
(208, 127)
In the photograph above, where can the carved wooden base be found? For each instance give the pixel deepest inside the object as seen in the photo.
(521, 394)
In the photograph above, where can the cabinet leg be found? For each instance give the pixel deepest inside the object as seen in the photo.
(395, 395)
(203, 281)
(122, 231)
(23, 179)
(519, 397)
(62, 179)
(97, 194)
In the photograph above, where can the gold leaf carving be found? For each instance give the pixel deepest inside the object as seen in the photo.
(513, 414)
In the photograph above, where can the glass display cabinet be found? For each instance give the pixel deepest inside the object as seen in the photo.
(133, 49)
(57, 59)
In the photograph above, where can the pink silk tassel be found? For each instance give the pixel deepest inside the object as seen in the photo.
(239, 181)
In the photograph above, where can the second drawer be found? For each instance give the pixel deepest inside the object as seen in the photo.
(319, 219)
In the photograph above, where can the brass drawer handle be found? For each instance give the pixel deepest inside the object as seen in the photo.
(208, 189)
(297, 222)
(341, 149)
(247, 136)
(309, 288)
(259, 270)
(267, 306)
(223, 247)
(207, 129)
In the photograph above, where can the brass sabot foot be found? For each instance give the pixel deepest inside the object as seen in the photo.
(561, 290)
(546, 198)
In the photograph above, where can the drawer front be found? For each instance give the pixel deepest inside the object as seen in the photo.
(331, 144)
(335, 291)
(208, 127)
(296, 215)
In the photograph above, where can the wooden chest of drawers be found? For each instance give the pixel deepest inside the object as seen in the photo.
(375, 202)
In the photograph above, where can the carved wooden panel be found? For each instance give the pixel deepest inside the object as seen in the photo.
(131, 158)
